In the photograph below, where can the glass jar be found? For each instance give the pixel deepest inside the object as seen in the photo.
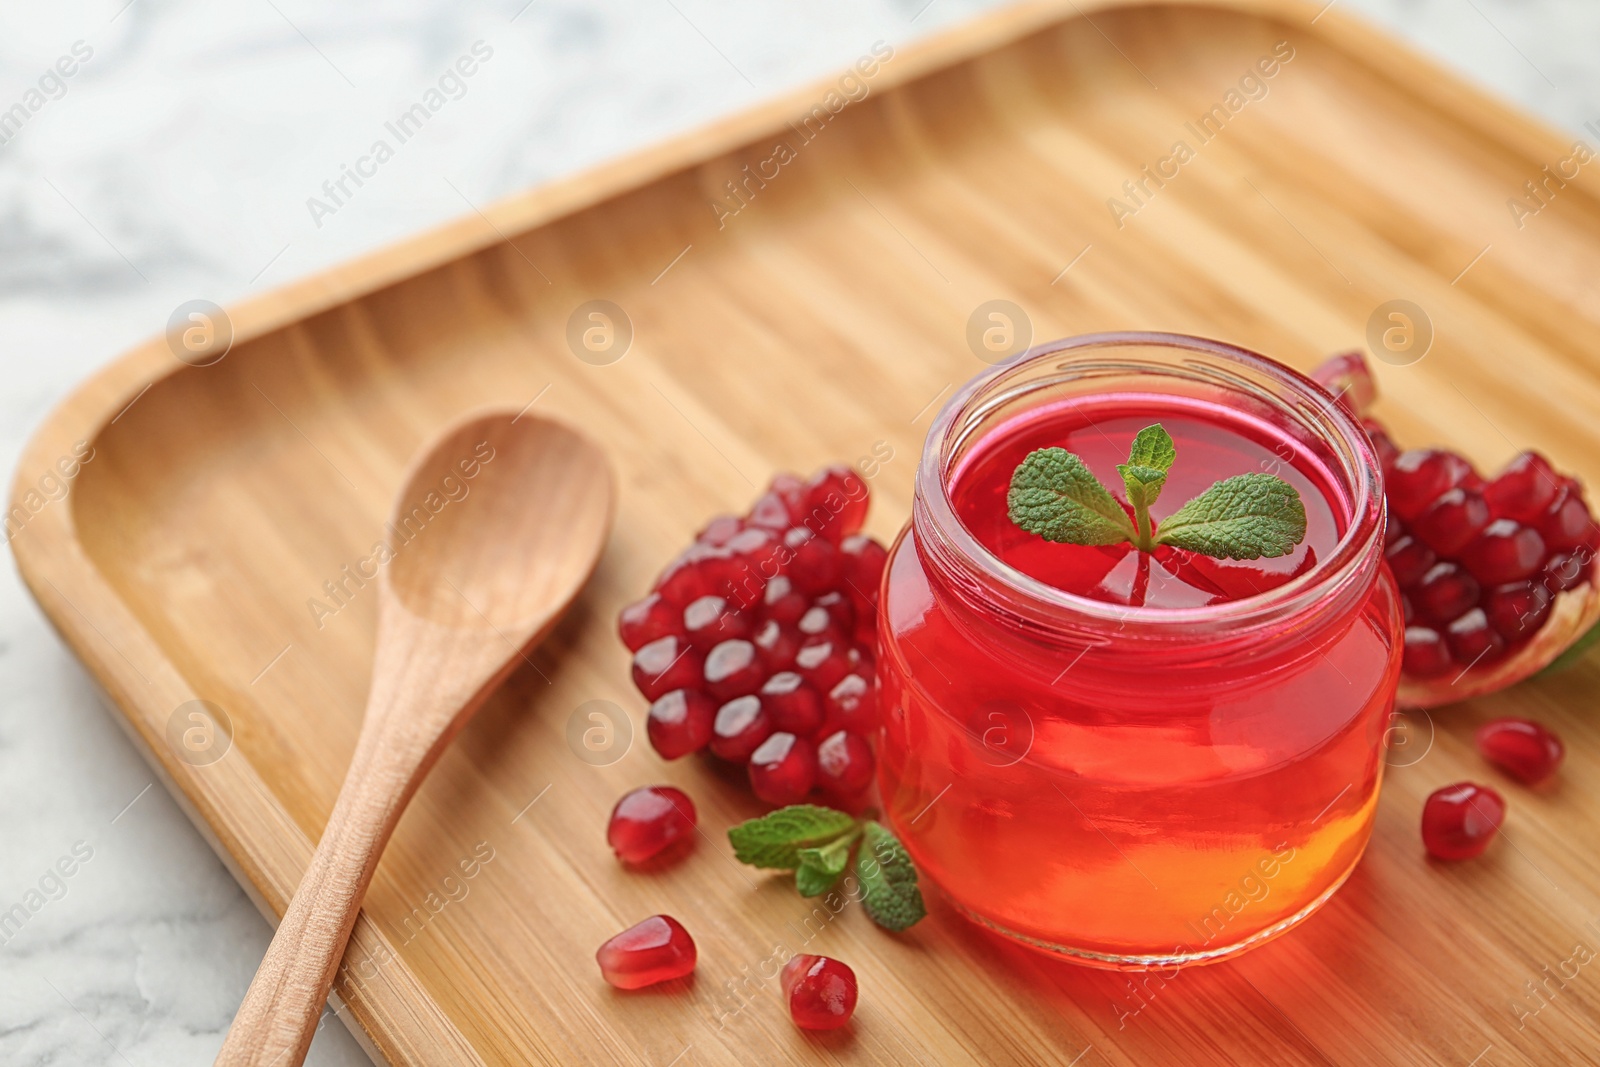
(1138, 786)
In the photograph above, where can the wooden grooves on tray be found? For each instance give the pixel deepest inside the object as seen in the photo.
(828, 314)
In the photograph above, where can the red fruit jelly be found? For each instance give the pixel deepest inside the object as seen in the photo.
(656, 950)
(1123, 758)
(1460, 820)
(821, 992)
(1522, 748)
(648, 821)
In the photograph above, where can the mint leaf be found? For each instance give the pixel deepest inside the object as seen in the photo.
(1144, 475)
(888, 880)
(1247, 516)
(1152, 447)
(775, 840)
(1055, 496)
(821, 867)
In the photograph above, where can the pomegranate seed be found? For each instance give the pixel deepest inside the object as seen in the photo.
(1472, 640)
(1393, 529)
(656, 950)
(1418, 477)
(783, 769)
(792, 491)
(1459, 820)
(793, 705)
(710, 620)
(1406, 610)
(1409, 559)
(777, 645)
(1506, 551)
(1452, 520)
(821, 992)
(1444, 593)
(720, 530)
(839, 609)
(739, 728)
(663, 665)
(648, 620)
(1517, 610)
(844, 764)
(781, 603)
(1522, 748)
(648, 821)
(1425, 653)
(816, 622)
(1524, 490)
(815, 567)
(771, 513)
(1348, 380)
(680, 722)
(822, 662)
(864, 560)
(1566, 523)
(852, 705)
(1566, 570)
(700, 571)
(836, 502)
(732, 670)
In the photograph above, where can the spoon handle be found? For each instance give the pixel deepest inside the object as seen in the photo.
(275, 1024)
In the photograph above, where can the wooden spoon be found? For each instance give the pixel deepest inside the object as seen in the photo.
(480, 580)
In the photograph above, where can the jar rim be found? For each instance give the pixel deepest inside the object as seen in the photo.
(1358, 550)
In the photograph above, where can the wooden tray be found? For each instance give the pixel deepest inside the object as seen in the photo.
(828, 314)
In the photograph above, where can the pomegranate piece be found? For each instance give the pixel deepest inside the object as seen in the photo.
(1459, 820)
(766, 624)
(1522, 748)
(1444, 593)
(648, 821)
(1452, 520)
(1506, 551)
(1517, 609)
(821, 992)
(680, 722)
(656, 950)
(1473, 641)
(844, 765)
(1524, 490)
(783, 769)
(1426, 655)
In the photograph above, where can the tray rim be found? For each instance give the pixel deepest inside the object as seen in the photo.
(263, 848)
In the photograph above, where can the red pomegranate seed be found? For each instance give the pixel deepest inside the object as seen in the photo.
(1418, 477)
(1426, 655)
(732, 669)
(783, 769)
(1567, 570)
(1524, 490)
(852, 704)
(793, 706)
(648, 821)
(1517, 610)
(1506, 551)
(664, 665)
(821, 992)
(680, 722)
(1472, 640)
(863, 560)
(1409, 559)
(1406, 610)
(844, 764)
(816, 622)
(780, 602)
(791, 489)
(1566, 523)
(1444, 593)
(815, 565)
(1394, 528)
(839, 609)
(777, 645)
(720, 530)
(648, 620)
(1348, 380)
(656, 950)
(771, 513)
(739, 728)
(836, 502)
(1452, 520)
(1522, 748)
(822, 662)
(1459, 820)
(711, 619)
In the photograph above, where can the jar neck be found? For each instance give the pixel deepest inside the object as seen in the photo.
(1029, 619)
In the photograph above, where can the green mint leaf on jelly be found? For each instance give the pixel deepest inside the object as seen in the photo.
(775, 840)
(816, 843)
(1055, 496)
(1248, 516)
(888, 880)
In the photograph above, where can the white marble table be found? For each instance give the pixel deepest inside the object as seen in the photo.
(176, 163)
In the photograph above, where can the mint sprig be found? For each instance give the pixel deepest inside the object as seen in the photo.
(817, 843)
(1249, 516)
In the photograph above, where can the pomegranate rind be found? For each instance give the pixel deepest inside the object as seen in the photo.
(1573, 614)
